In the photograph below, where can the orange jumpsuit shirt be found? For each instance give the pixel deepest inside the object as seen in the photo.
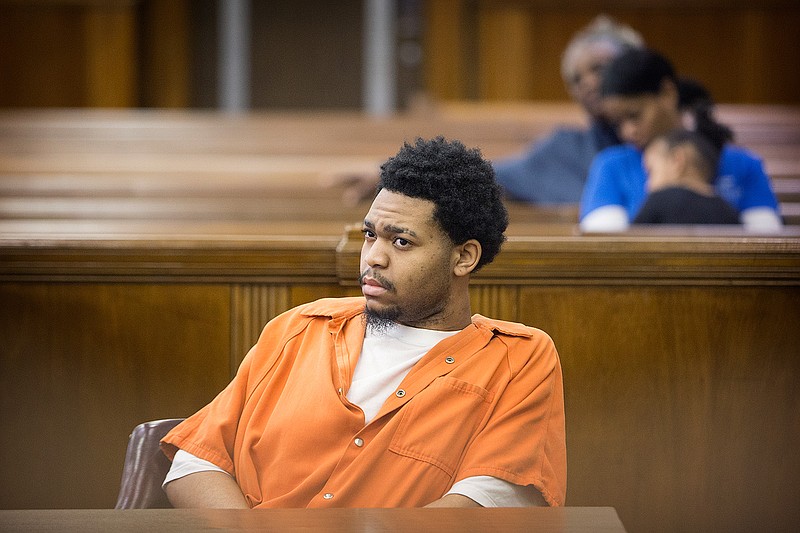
(487, 401)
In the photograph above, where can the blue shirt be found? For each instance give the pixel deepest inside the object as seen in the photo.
(617, 177)
(553, 170)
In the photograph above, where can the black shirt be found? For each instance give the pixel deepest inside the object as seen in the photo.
(678, 205)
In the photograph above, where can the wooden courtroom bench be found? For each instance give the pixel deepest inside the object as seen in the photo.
(131, 164)
(128, 165)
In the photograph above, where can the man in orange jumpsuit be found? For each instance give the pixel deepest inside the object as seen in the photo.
(399, 398)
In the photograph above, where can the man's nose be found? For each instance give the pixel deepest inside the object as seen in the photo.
(375, 254)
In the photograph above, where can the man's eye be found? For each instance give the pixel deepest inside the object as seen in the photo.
(368, 234)
(402, 243)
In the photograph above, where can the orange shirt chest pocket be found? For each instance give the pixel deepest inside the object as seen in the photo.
(438, 423)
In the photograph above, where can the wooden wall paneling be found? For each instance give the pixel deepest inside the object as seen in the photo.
(682, 405)
(496, 301)
(128, 52)
(448, 49)
(505, 55)
(39, 62)
(771, 54)
(166, 59)
(752, 57)
(754, 24)
(82, 363)
(552, 31)
(96, 54)
(111, 55)
(719, 62)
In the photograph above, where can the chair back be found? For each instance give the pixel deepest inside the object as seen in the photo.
(145, 467)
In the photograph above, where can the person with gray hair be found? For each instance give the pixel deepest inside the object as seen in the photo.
(554, 169)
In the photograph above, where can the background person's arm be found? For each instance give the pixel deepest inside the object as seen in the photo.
(744, 184)
(608, 218)
(761, 220)
(207, 490)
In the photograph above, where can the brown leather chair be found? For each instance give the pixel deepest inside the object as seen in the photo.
(145, 467)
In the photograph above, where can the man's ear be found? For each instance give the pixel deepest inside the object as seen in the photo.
(468, 255)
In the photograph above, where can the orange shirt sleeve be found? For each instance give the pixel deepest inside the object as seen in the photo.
(211, 432)
(523, 441)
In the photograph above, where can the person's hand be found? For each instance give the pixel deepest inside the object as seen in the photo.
(357, 186)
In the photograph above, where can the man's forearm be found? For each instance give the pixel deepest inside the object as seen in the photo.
(206, 489)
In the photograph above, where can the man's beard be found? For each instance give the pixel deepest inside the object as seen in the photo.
(381, 321)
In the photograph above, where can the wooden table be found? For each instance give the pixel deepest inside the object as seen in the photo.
(564, 519)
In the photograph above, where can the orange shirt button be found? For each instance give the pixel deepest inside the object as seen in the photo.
(327, 495)
(359, 442)
(400, 393)
(449, 360)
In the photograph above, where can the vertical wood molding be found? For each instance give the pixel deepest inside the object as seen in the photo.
(111, 55)
(252, 306)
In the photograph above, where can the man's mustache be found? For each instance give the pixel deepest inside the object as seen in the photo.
(383, 282)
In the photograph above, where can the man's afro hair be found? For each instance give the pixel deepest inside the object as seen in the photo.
(461, 184)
